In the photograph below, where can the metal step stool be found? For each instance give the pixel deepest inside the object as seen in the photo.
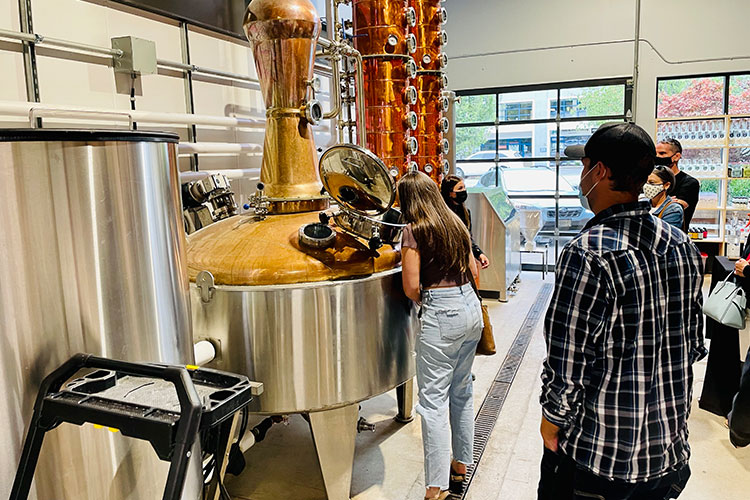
(165, 405)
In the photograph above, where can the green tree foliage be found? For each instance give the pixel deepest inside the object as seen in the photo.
(473, 109)
(602, 101)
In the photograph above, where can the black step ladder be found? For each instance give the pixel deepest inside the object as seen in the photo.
(166, 405)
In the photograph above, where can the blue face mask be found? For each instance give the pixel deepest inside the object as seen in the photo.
(584, 197)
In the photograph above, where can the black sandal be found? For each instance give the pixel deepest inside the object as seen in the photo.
(456, 482)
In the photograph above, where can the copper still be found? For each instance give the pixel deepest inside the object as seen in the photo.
(312, 310)
(381, 34)
(431, 83)
(404, 109)
(283, 36)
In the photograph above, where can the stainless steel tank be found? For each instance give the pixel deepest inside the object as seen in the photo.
(93, 255)
(316, 346)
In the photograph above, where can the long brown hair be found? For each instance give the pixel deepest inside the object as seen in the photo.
(434, 225)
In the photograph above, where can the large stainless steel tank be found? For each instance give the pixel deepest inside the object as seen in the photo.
(92, 260)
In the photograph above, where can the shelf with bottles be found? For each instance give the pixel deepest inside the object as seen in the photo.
(699, 132)
(739, 131)
(736, 229)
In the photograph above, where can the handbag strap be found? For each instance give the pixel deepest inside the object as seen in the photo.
(474, 284)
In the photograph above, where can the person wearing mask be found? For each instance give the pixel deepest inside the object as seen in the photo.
(454, 193)
(436, 266)
(623, 329)
(686, 188)
(657, 189)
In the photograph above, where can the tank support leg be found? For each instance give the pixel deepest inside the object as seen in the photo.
(405, 398)
(334, 432)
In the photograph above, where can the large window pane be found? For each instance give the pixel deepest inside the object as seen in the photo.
(532, 105)
(690, 97)
(476, 109)
(575, 133)
(603, 100)
(530, 140)
(475, 143)
(739, 94)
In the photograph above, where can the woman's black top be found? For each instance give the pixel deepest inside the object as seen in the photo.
(465, 215)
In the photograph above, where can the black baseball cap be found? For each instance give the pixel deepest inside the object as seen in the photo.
(619, 141)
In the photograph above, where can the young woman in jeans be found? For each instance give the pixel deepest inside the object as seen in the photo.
(436, 262)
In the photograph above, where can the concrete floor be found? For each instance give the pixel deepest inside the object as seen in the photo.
(388, 462)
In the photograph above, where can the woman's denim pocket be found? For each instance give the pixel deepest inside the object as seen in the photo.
(452, 323)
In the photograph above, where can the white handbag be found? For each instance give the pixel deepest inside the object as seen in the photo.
(726, 304)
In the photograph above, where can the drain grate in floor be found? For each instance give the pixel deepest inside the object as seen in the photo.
(487, 416)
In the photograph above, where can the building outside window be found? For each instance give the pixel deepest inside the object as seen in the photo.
(513, 138)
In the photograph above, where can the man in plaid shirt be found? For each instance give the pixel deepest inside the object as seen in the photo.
(623, 330)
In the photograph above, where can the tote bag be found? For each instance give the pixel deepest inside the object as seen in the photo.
(726, 304)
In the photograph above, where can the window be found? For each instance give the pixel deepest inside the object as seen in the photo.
(681, 97)
(515, 111)
(568, 108)
(496, 145)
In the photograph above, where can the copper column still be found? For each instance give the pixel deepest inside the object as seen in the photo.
(431, 83)
(381, 34)
(283, 36)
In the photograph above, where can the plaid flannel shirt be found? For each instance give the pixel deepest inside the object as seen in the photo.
(623, 329)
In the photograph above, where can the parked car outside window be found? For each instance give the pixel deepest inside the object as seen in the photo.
(524, 185)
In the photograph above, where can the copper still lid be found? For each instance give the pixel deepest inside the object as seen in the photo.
(245, 251)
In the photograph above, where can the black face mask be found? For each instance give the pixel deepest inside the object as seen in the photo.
(461, 196)
(664, 160)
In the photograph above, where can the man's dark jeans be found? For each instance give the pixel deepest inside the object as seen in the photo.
(563, 479)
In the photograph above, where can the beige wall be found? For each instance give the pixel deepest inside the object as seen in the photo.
(680, 29)
(84, 80)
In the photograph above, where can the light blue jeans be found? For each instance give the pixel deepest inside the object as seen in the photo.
(451, 327)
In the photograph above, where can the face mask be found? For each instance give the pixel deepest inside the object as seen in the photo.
(664, 160)
(461, 196)
(584, 197)
(652, 190)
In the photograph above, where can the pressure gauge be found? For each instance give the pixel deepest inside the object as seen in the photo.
(444, 125)
(411, 68)
(411, 43)
(412, 120)
(412, 146)
(444, 103)
(411, 95)
(411, 17)
(313, 112)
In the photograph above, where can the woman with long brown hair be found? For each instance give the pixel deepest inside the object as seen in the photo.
(436, 262)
